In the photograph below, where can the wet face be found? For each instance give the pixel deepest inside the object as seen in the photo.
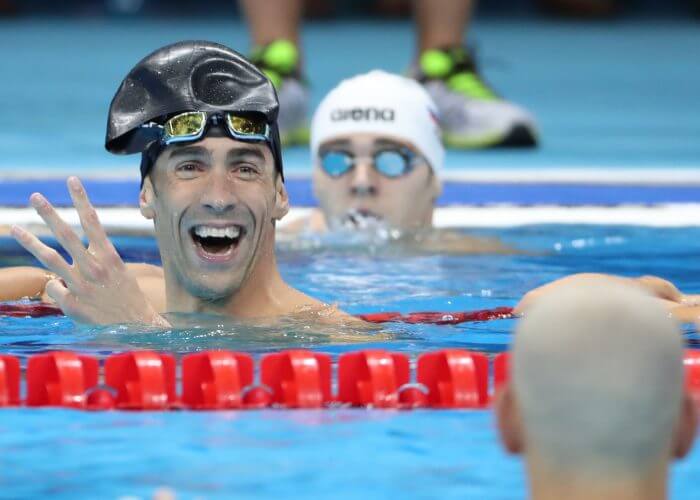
(214, 203)
(363, 194)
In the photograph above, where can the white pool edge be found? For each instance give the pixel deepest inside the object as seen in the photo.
(129, 219)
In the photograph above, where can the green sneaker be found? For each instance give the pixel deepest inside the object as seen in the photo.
(279, 60)
(472, 115)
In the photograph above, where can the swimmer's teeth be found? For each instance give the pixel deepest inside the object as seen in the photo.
(231, 232)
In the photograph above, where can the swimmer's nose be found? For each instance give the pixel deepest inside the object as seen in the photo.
(218, 197)
(364, 181)
(219, 206)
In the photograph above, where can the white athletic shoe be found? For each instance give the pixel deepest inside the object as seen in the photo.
(472, 115)
(294, 106)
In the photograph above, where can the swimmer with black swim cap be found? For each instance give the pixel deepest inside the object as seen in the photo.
(204, 120)
(186, 80)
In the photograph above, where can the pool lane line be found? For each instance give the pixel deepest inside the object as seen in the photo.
(128, 220)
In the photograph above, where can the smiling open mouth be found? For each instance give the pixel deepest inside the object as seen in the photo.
(216, 241)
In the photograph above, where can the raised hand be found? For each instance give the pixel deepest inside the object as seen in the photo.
(97, 287)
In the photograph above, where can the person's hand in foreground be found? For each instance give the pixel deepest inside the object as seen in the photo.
(97, 288)
(660, 288)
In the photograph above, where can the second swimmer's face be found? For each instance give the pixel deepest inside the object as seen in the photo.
(214, 203)
(364, 194)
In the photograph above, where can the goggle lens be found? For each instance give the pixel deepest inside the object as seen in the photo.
(186, 125)
(336, 163)
(391, 163)
(246, 125)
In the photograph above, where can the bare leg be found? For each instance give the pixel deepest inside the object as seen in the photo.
(442, 23)
(272, 20)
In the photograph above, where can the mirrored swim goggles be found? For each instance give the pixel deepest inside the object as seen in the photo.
(390, 163)
(191, 125)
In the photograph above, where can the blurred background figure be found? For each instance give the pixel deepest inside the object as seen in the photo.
(596, 404)
(471, 113)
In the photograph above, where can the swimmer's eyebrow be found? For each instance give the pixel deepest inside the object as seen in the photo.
(189, 152)
(240, 153)
(388, 143)
(335, 144)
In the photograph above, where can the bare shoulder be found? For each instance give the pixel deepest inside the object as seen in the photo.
(320, 312)
(338, 325)
(151, 280)
(454, 242)
(303, 304)
(313, 222)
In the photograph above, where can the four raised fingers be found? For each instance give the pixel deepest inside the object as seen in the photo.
(49, 257)
(89, 286)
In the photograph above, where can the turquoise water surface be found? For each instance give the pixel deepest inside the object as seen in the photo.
(322, 454)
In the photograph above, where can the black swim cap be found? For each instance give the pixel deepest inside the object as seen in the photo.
(187, 76)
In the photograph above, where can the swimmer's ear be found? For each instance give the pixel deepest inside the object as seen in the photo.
(146, 199)
(687, 426)
(281, 199)
(508, 419)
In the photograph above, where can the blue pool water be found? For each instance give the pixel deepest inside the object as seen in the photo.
(319, 454)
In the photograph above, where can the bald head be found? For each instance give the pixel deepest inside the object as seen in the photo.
(597, 376)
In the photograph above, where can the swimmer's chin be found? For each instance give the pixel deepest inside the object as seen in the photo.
(210, 294)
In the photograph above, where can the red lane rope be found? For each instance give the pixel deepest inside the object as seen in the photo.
(41, 309)
(36, 310)
(440, 318)
(295, 378)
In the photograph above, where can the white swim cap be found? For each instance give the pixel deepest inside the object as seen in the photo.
(381, 103)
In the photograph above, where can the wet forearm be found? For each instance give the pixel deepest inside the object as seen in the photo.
(20, 282)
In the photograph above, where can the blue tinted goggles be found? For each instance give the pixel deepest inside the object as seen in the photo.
(390, 163)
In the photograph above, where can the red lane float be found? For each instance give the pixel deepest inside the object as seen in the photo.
(691, 363)
(297, 378)
(60, 379)
(221, 380)
(143, 380)
(455, 378)
(9, 381)
(501, 369)
(215, 379)
(372, 378)
(40, 309)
